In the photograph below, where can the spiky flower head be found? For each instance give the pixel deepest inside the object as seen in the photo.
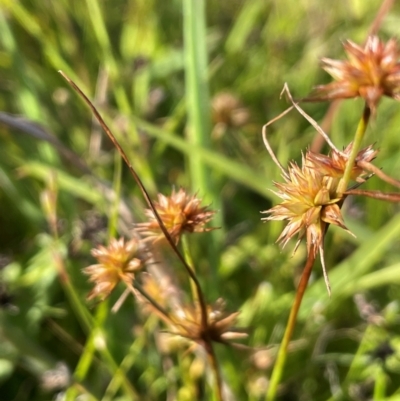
(309, 203)
(180, 213)
(334, 164)
(117, 262)
(370, 72)
(186, 322)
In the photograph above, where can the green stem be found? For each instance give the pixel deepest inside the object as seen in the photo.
(214, 365)
(114, 213)
(86, 358)
(188, 257)
(89, 324)
(380, 384)
(129, 359)
(281, 358)
(79, 308)
(358, 137)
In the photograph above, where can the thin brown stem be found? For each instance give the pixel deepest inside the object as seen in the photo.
(156, 307)
(380, 15)
(319, 141)
(283, 349)
(147, 198)
(310, 119)
(386, 196)
(268, 146)
(379, 173)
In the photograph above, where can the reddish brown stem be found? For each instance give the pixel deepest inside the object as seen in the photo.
(146, 196)
(379, 173)
(282, 354)
(386, 196)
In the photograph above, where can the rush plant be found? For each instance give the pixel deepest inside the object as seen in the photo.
(135, 265)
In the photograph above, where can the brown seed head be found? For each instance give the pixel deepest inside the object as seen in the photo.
(220, 326)
(117, 262)
(334, 164)
(309, 203)
(370, 72)
(179, 212)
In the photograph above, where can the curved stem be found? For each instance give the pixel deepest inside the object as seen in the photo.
(358, 137)
(147, 198)
(281, 358)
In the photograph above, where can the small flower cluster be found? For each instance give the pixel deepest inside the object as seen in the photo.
(370, 72)
(122, 260)
(185, 321)
(180, 213)
(310, 199)
(312, 195)
(117, 262)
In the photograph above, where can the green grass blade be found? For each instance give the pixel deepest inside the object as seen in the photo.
(197, 93)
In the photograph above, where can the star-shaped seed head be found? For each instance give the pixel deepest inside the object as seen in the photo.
(180, 213)
(371, 71)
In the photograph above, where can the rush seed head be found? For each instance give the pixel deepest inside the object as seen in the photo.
(180, 213)
(186, 322)
(334, 164)
(117, 262)
(308, 203)
(370, 72)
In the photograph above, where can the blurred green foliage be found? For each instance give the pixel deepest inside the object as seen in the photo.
(129, 57)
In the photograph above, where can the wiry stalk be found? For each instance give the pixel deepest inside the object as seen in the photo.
(358, 137)
(148, 200)
(385, 196)
(214, 365)
(283, 349)
(188, 257)
(379, 173)
(157, 308)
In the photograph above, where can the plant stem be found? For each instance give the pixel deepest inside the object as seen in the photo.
(358, 137)
(217, 374)
(189, 260)
(86, 358)
(147, 197)
(380, 384)
(114, 212)
(129, 359)
(198, 104)
(197, 94)
(157, 308)
(281, 358)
